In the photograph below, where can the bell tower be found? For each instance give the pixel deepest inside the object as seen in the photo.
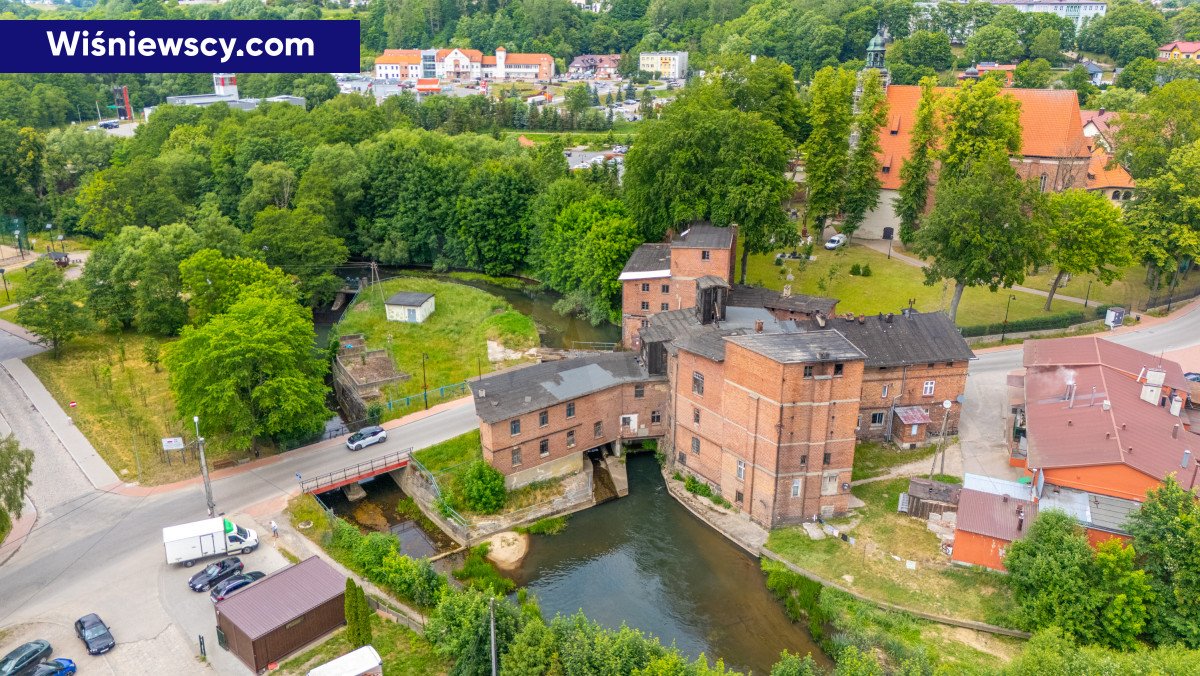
(876, 49)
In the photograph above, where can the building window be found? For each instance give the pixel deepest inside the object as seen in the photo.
(543, 418)
(858, 422)
(598, 429)
(570, 438)
(1042, 182)
(884, 392)
(698, 383)
(696, 445)
(646, 286)
(666, 288)
(514, 427)
(737, 497)
(1126, 195)
(795, 488)
(804, 459)
(544, 447)
(808, 371)
(655, 417)
(838, 369)
(928, 389)
(876, 418)
(705, 255)
(639, 391)
(741, 470)
(827, 458)
(696, 416)
(929, 365)
(571, 409)
(645, 305)
(664, 306)
(516, 456)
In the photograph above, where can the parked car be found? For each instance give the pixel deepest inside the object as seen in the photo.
(365, 437)
(835, 241)
(109, 124)
(24, 659)
(224, 589)
(214, 573)
(95, 634)
(59, 666)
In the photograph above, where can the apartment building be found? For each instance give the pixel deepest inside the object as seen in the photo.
(409, 65)
(667, 65)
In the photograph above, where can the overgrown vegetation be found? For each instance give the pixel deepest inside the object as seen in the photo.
(697, 487)
(479, 573)
(873, 458)
(551, 525)
(403, 651)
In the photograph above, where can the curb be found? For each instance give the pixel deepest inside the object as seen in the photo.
(20, 530)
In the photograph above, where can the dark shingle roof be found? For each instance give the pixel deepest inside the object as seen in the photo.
(703, 236)
(823, 346)
(500, 396)
(915, 338)
(282, 596)
(409, 298)
(756, 296)
(649, 258)
(711, 281)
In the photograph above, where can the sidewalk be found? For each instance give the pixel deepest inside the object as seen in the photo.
(93, 466)
(19, 331)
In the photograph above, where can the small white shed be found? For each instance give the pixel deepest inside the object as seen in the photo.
(409, 306)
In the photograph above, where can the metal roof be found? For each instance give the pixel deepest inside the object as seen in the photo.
(824, 346)
(648, 258)
(907, 338)
(711, 281)
(994, 515)
(703, 236)
(757, 296)
(409, 298)
(282, 596)
(912, 415)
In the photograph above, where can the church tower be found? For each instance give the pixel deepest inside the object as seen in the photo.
(876, 49)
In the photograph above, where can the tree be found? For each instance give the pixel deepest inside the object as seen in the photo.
(993, 43)
(1168, 119)
(979, 120)
(271, 184)
(980, 232)
(764, 86)
(1049, 572)
(298, 242)
(862, 175)
(916, 170)
(1032, 74)
(151, 353)
(364, 615)
(1166, 535)
(1086, 235)
(532, 651)
(459, 628)
(1046, 45)
(214, 283)
(827, 149)
(252, 372)
(1139, 75)
(483, 488)
(577, 98)
(1081, 81)
(16, 464)
(50, 306)
(332, 186)
(791, 664)
(355, 635)
(1125, 596)
(1163, 217)
(924, 48)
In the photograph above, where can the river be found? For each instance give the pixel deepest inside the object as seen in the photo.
(645, 561)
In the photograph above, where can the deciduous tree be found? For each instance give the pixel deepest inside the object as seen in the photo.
(51, 306)
(214, 283)
(993, 43)
(16, 464)
(862, 175)
(1049, 570)
(916, 170)
(1086, 235)
(1033, 74)
(827, 150)
(1166, 535)
(298, 242)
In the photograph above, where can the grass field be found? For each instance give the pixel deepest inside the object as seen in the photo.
(872, 459)
(404, 652)
(935, 586)
(453, 338)
(891, 284)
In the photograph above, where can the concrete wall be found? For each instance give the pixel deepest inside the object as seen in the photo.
(882, 216)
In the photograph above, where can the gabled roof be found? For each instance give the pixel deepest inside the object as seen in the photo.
(527, 59)
(595, 61)
(473, 55)
(648, 261)
(757, 296)
(409, 298)
(1182, 45)
(399, 57)
(1104, 172)
(703, 236)
(909, 338)
(282, 596)
(1050, 126)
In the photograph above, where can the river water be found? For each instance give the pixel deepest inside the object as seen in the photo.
(645, 561)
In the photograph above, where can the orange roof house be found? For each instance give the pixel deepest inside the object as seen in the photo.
(1108, 177)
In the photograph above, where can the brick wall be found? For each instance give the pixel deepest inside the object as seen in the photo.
(687, 265)
(686, 404)
(1061, 174)
(632, 298)
(908, 382)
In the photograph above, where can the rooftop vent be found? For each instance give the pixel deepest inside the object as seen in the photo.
(862, 319)
(758, 326)
(528, 399)
(1106, 406)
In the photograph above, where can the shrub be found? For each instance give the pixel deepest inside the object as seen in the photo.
(698, 487)
(482, 488)
(1060, 320)
(855, 269)
(866, 270)
(552, 525)
(677, 476)
(478, 573)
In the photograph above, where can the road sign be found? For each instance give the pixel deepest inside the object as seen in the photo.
(172, 443)
(72, 404)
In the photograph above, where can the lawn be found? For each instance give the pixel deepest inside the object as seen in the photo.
(872, 459)
(934, 587)
(403, 651)
(449, 459)
(453, 339)
(1130, 291)
(891, 284)
(124, 407)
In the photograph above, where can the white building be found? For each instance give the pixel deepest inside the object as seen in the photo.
(669, 65)
(409, 65)
(409, 306)
(1078, 11)
(225, 91)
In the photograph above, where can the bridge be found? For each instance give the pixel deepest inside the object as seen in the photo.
(356, 473)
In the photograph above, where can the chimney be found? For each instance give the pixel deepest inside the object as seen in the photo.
(1101, 111)
(1106, 406)
(1092, 401)
(1070, 423)
(758, 326)
(1176, 405)
(1005, 498)
(1187, 457)
(483, 394)
(1175, 431)
(820, 319)
(528, 399)
(1020, 519)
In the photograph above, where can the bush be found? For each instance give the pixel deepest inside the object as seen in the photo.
(1060, 320)
(482, 488)
(478, 573)
(866, 270)
(697, 487)
(551, 525)
(855, 269)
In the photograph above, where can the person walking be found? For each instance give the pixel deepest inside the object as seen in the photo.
(274, 529)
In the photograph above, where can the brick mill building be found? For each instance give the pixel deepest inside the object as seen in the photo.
(760, 394)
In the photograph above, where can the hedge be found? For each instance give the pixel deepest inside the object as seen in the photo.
(1059, 320)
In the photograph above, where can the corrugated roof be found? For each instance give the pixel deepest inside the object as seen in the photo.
(703, 236)
(649, 258)
(1111, 513)
(912, 415)
(711, 282)
(826, 346)
(992, 515)
(282, 596)
(409, 298)
(912, 338)
(757, 296)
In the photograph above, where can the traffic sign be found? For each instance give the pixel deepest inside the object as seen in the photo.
(72, 404)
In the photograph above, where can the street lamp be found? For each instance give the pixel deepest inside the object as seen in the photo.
(212, 507)
(945, 417)
(1087, 295)
(424, 381)
(17, 237)
(3, 279)
(1004, 331)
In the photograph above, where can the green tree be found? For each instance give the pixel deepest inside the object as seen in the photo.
(1166, 535)
(827, 149)
(1033, 74)
(1081, 81)
(979, 120)
(1125, 595)
(252, 372)
(459, 628)
(298, 242)
(854, 662)
(791, 664)
(764, 86)
(16, 464)
(483, 488)
(354, 633)
(993, 43)
(1164, 218)
(50, 306)
(980, 232)
(364, 615)
(577, 98)
(1049, 571)
(862, 174)
(271, 184)
(1169, 118)
(532, 651)
(924, 48)
(1047, 45)
(333, 186)
(1086, 235)
(151, 353)
(1116, 99)
(917, 168)
(213, 282)
(1139, 75)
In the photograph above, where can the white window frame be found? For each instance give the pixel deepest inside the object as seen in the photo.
(741, 470)
(884, 392)
(795, 488)
(927, 390)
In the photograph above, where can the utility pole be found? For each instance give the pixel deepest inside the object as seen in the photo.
(945, 418)
(424, 381)
(492, 621)
(212, 507)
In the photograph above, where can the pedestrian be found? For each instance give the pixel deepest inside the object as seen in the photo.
(274, 529)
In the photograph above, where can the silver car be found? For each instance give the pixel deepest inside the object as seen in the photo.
(365, 437)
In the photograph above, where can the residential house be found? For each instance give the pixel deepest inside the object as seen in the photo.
(667, 65)
(410, 65)
(1053, 148)
(595, 65)
(1079, 11)
(1094, 71)
(992, 513)
(1109, 178)
(1099, 126)
(1179, 50)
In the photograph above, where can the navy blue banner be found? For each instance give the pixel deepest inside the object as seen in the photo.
(180, 46)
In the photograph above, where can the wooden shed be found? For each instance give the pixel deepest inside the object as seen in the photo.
(282, 613)
(408, 306)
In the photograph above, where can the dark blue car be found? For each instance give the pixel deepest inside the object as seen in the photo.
(95, 634)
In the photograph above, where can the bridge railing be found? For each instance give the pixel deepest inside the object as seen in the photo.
(312, 484)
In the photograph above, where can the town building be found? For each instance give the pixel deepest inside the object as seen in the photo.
(667, 65)
(1054, 150)
(1096, 425)
(1179, 50)
(1075, 10)
(408, 306)
(595, 65)
(410, 65)
(1109, 178)
(758, 393)
(1100, 127)
(225, 90)
(1006, 70)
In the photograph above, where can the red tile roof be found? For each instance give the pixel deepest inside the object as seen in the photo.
(1050, 126)
(399, 56)
(1104, 172)
(1183, 46)
(993, 515)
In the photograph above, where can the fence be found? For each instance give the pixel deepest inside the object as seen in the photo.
(350, 473)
